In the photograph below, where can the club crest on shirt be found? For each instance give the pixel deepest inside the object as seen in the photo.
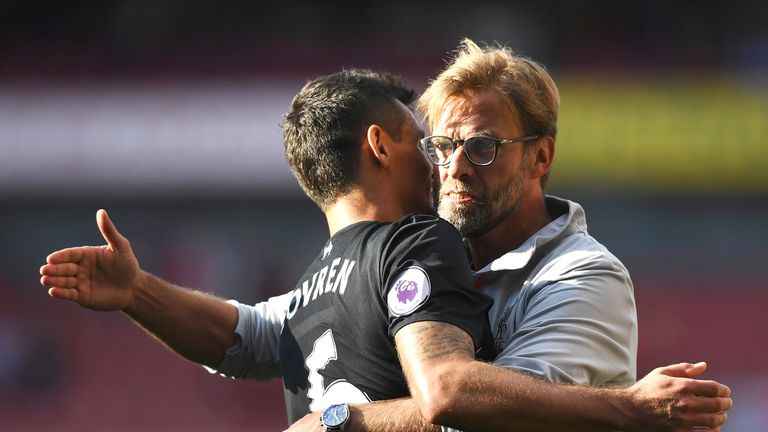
(409, 291)
(327, 249)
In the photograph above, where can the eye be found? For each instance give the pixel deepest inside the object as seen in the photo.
(442, 145)
(481, 145)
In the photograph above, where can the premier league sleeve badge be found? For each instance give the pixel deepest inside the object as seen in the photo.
(409, 291)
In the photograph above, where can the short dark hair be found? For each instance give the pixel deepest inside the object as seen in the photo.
(327, 120)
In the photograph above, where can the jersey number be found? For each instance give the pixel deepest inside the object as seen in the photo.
(339, 391)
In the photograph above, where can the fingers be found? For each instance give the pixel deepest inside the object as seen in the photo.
(70, 294)
(696, 370)
(116, 241)
(693, 406)
(65, 269)
(706, 421)
(698, 387)
(712, 405)
(681, 369)
(59, 275)
(58, 281)
(708, 388)
(72, 255)
(703, 413)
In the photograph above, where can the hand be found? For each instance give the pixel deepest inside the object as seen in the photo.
(96, 277)
(670, 400)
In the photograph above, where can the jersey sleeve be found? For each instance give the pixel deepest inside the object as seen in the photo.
(426, 277)
(255, 352)
(581, 328)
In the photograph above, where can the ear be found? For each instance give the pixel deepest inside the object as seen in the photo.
(541, 157)
(378, 143)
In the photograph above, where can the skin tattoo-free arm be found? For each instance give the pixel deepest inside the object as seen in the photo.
(198, 326)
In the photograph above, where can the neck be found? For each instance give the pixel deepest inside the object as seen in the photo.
(357, 207)
(531, 216)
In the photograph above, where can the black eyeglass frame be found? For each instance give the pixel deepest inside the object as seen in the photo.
(455, 142)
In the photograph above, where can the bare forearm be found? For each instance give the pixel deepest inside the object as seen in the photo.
(522, 414)
(452, 389)
(497, 399)
(527, 404)
(399, 415)
(198, 326)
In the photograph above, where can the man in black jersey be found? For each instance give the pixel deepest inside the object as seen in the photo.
(390, 284)
(387, 273)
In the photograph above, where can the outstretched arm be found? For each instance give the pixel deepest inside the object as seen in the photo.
(198, 326)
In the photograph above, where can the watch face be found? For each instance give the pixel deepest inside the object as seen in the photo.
(335, 415)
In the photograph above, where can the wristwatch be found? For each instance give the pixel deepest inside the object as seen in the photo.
(335, 417)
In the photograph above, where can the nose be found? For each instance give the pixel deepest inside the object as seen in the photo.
(459, 165)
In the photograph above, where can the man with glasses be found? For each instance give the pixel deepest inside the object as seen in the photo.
(390, 288)
(564, 308)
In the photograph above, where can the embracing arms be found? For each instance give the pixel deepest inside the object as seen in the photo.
(450, 388)
(473, 395)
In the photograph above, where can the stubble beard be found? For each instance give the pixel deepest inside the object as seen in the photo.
(478, 218)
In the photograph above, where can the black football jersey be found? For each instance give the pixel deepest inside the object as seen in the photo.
(370, 280)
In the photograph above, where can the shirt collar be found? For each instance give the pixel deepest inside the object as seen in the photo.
(572, 220)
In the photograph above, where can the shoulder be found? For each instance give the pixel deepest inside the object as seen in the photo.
(579, 264)
(420, 228)
(581, 249)
(432, 231)
(575, 248)
(420, 237)
(580, 282)
(410, 222)
(424, 239)
(423, 221)
(427, 222)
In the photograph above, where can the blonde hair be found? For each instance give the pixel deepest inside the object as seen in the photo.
(523, 83)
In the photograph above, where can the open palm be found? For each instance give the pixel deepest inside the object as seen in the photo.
(96, 277)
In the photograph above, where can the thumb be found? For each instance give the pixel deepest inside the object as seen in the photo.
(114, 239)
(696, 370)
(682, 369)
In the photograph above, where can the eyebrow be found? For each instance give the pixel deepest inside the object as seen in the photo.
(485, 133)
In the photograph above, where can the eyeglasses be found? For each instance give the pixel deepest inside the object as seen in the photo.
(480, 150)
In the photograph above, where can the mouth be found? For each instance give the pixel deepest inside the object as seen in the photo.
(460, 197)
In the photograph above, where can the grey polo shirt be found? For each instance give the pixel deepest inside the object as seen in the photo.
(564, 306)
